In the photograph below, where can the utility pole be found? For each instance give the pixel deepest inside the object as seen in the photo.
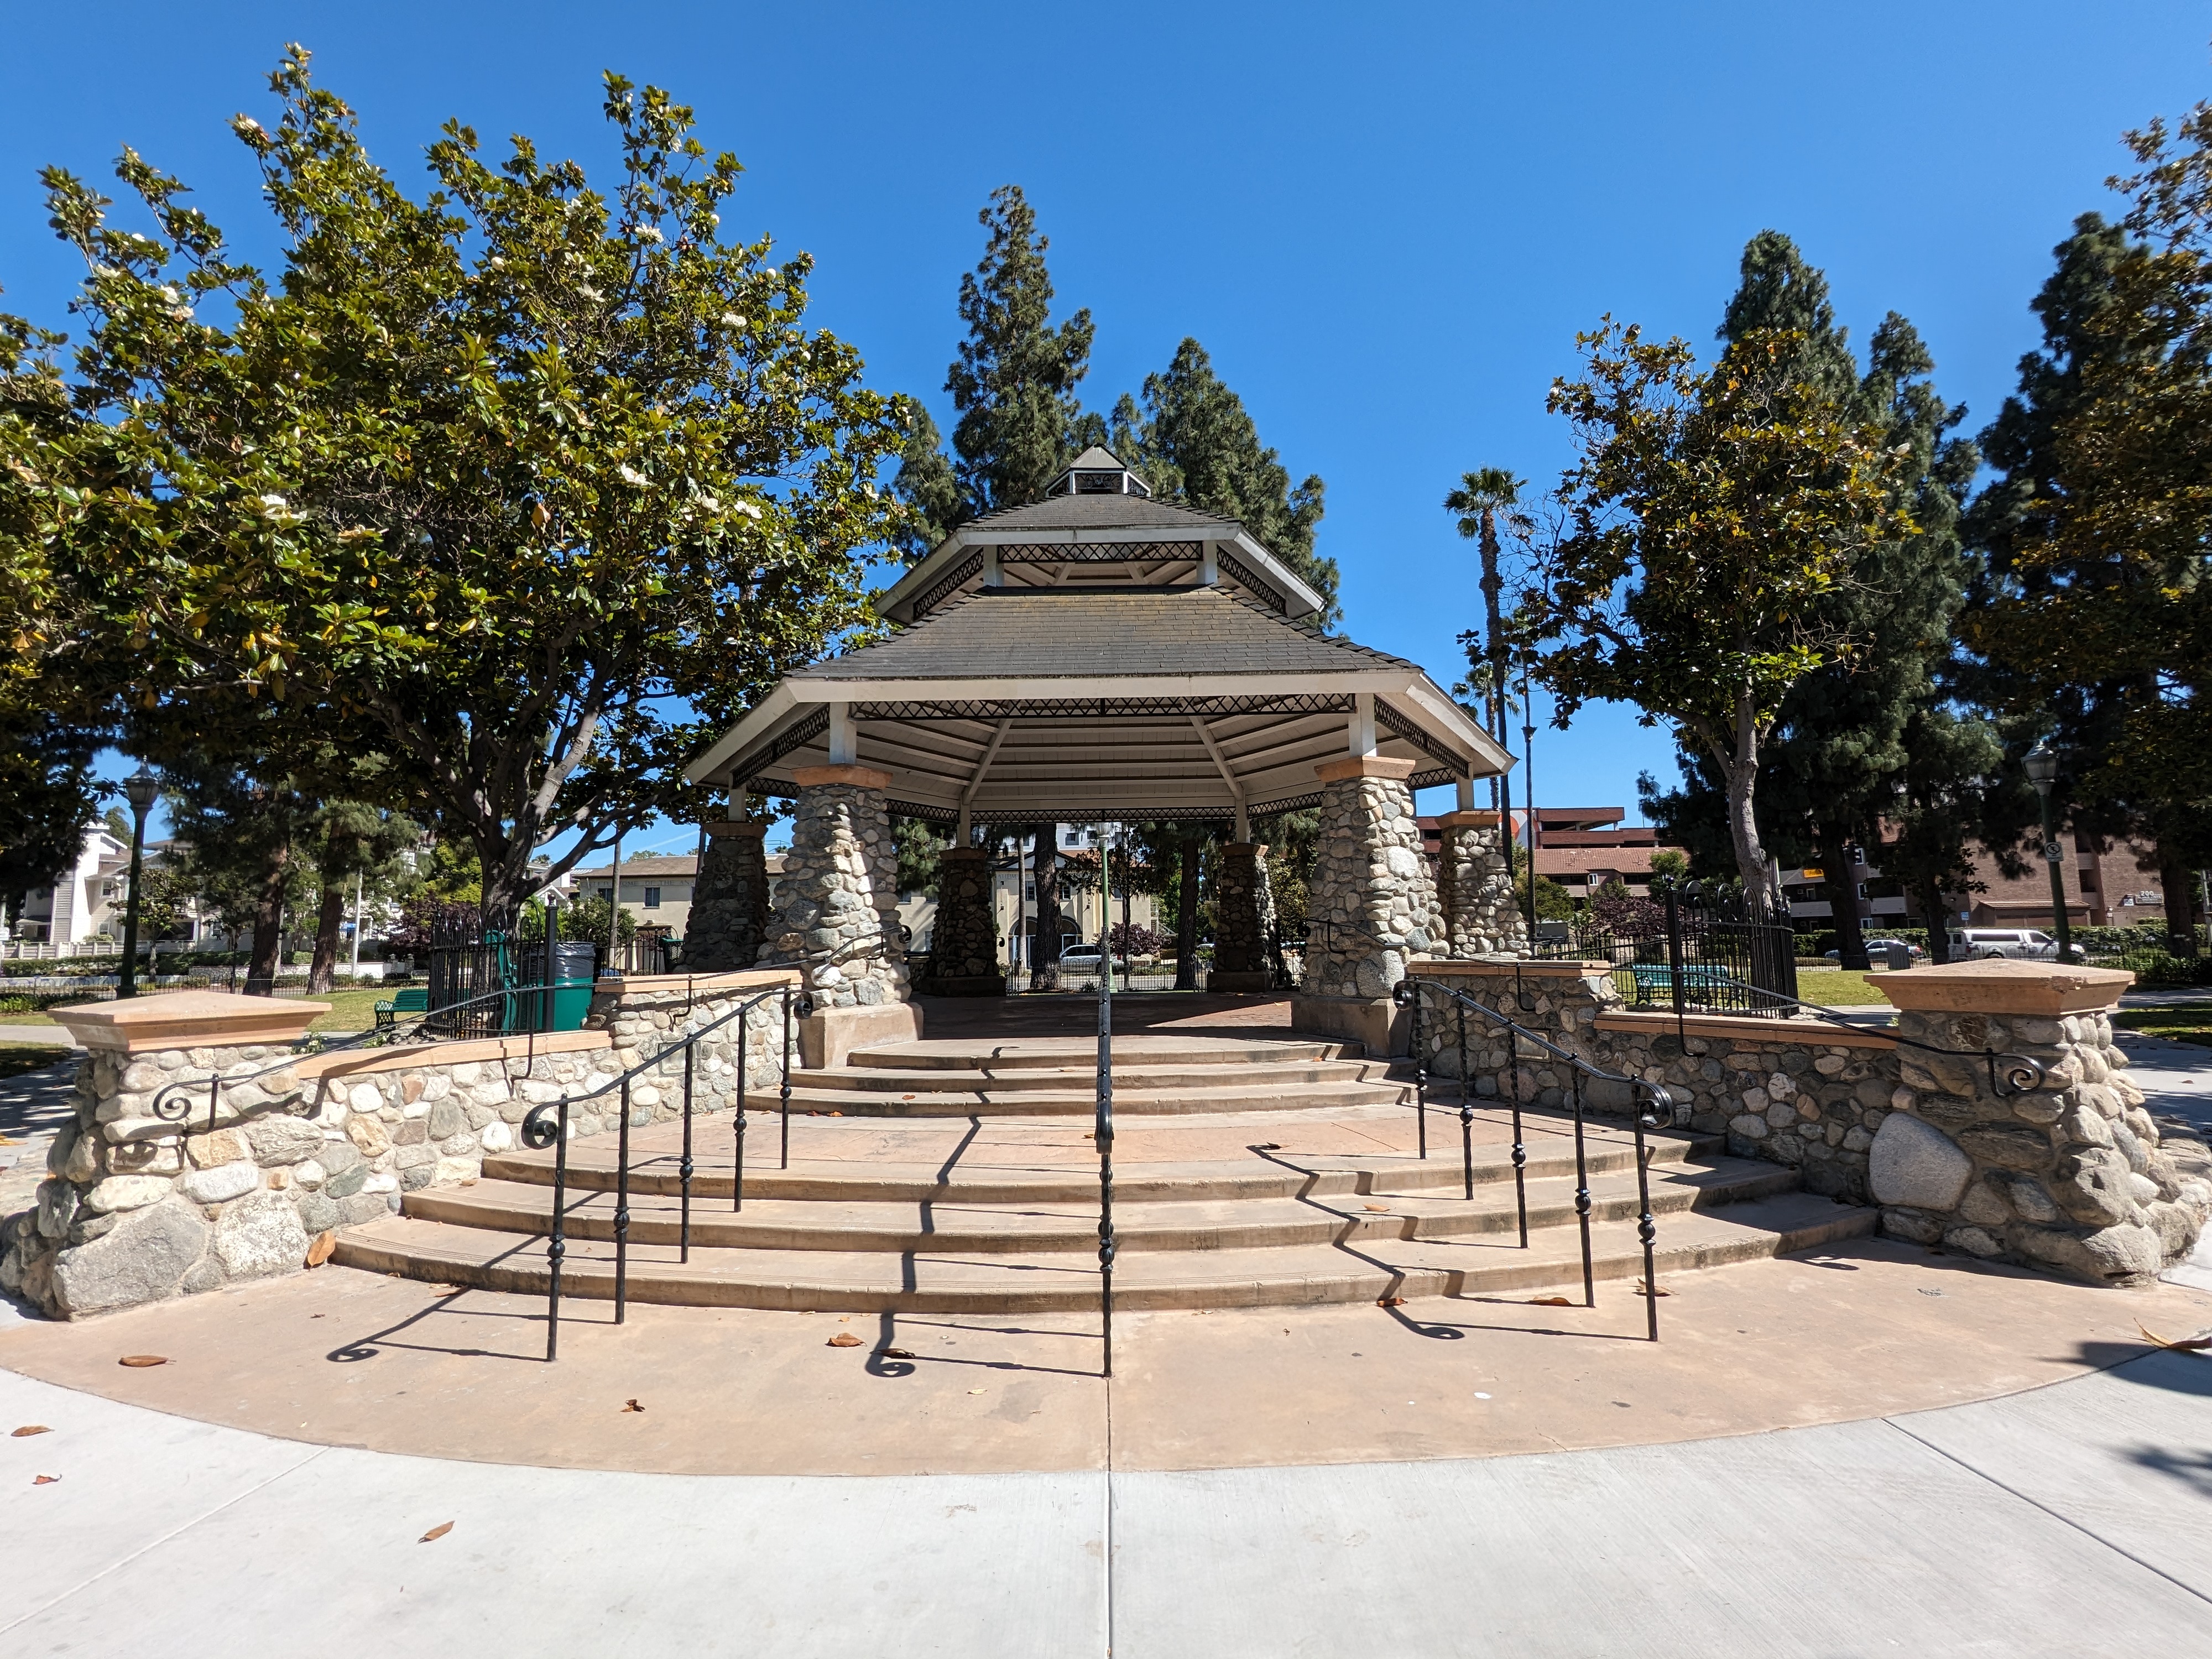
(2042, 767)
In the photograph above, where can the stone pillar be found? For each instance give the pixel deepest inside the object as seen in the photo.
(965, 960)
(1373, 903)
(729, 903)
(2072, 1175)
(1240, 939)
(838, 910)
(1474, 890)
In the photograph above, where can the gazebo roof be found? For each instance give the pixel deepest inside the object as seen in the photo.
(1079, 702)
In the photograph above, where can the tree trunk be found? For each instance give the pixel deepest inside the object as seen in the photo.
(269, 925)
(323, 962)
(1938, 919)
(1187, 918)
(1842, 897)
(1044, 955)
(2177, 884)
(1741, 771)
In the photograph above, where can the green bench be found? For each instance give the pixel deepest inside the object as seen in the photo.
(415, 1000)
(1655, 980)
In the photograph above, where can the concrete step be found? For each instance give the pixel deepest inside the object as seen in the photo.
(1081, 1079)
(1017, 1054)
(1188, 1224)
(989, 1102)
(1489, 1265)
(1280, 1171)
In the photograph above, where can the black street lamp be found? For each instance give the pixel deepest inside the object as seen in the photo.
(2042, 766)
(142, 788)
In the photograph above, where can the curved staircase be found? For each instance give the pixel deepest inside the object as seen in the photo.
(956, 1177)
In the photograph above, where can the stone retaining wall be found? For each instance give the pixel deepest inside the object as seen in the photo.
(137, 1208)
(2071, 1176)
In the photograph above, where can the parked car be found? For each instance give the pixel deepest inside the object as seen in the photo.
(1880, 947)
(1080, 957)
(1979, 944)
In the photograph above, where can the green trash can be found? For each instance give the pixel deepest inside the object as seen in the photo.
(572, 966)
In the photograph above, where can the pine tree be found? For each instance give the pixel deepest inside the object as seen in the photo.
(1194, 441)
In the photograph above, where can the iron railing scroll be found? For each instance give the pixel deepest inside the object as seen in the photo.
(1657, 1106)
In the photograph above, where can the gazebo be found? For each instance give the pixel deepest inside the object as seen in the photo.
(1097, 655)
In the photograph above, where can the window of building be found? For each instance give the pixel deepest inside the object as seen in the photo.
(652, 898)
(606, 892)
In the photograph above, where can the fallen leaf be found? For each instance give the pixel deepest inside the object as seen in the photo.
(319, 1251)
(2182, 1345)
(836, 1115)
(436, 1532)
(45, 1480)
(1549, 1302)
(1380, 1209)
(975, 1391)
(842, 1339)
(1662, 1291)
(29, 1429)
(1269, 1146)
(894, 1353)
(906, 1097)
(1382, 1302)
(314, 1315)
(632, 1406)
(139, 1361)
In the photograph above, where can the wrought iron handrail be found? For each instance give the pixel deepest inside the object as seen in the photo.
(2024, 1073)
(1407, 995)
(1103, 1130)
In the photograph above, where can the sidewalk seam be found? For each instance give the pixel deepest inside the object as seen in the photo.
(153, 1544)
(2055, 1515)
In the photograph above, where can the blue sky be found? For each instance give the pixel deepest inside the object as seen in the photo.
(1386, 223)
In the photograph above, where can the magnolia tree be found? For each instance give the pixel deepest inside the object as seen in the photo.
(524, 485)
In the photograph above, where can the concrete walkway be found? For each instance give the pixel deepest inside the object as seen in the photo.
(2075, 1519)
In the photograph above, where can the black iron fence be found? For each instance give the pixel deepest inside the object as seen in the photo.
(1692, 949)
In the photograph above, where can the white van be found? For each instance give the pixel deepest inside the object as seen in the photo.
(1978, 944)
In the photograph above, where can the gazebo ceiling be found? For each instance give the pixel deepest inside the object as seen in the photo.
(1101, 700)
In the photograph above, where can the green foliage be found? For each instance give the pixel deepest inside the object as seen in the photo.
(47, 795)
(921, 847)
(485, 482)
(1194, 442)
(1670, 864)
(1552, 903)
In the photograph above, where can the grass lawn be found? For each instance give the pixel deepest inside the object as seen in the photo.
(26, 1019)
(1840, 989)
(17, 1058)
(2189, 1022)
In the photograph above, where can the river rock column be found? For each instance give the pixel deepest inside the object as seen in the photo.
(729, 904)
(1373, 903)
(837, 907)
(964, 957)
(1240, 939)
(1475, 889)
(2072, 1175)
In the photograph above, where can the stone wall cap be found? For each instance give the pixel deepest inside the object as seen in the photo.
(1805, 1033)
(2005, 985)
(736, 979)
(857, 777)
(1365, 766)
(1474, 819)
(188, 1019)
(1505, 966)
(343, 1063)
(729, 827)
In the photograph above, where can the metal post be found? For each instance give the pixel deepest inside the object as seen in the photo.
(1103, 1133)
(356, 923)
(1582, 1193)
(556, 1246)
(142, 789)
(1466, 1107)
(1520, 1147)
(1674, 966)
(1646, 1229)
(1528, 793)
(738, 1185)
(784, 1106)
(2041, 764)
(684, 1169)
(621, 1208)
(1420, 1073)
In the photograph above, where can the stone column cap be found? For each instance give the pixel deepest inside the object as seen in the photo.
(1471, 819)
(727, 828)
(1365, 766)
(2005, 985)
(859, 777)
(188, 1019)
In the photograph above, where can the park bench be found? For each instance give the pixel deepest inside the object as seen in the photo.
(1655, 980)
(413, 1001)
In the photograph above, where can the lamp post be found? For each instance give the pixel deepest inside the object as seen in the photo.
(2042, 766)
(140, 789)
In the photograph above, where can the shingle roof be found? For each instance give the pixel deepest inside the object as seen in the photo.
(1064, 632)
(684, 864)
(1104, 512)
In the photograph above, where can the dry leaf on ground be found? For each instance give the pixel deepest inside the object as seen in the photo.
(45, 1480)
(30, 1429)
(2180, 1344)
(975, 1391)
(632, 1406)
(140, 1361)
(1382, 1302)
(842, 1339)
(436, 1532)
(1384, 1209)
(1662, 1291)
(319, 1251)
(894, 1353)
(1549, 1302)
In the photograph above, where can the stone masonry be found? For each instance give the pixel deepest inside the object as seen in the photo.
(729, 906)
(1374, 896)
(2070, 1176)
(839, 906)
(137, 1208)
(1475, 889)
(964, 944)
(1240, 941)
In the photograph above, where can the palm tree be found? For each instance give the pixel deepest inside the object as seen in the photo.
(1481, 496)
